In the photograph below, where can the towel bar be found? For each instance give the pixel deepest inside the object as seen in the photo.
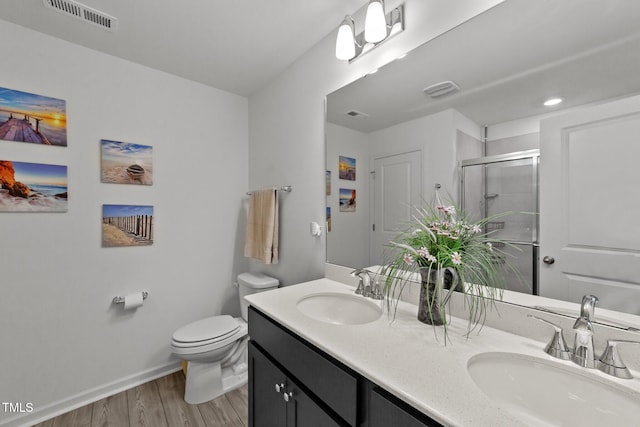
(286, 188)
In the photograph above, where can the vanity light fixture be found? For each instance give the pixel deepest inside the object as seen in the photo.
(378, 27)
(552, 101)
(346, 41)
(375, 22)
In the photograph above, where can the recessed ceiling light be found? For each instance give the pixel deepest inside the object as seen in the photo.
(552, 101)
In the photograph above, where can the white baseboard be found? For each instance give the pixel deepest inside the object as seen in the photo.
(81, 399)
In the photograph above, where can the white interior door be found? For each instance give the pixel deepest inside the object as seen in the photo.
(397, 187)
(590, 205)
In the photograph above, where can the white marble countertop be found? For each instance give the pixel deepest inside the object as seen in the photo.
(404, 356)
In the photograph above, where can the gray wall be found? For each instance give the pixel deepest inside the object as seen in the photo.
(64, 342)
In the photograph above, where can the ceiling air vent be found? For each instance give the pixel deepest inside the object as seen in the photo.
(355, 113)
(441, 89)
(85, 13)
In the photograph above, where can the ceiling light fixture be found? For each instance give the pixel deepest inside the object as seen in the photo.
(552, 101)
(378, 27)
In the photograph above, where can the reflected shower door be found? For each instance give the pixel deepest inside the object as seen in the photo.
(505, 189)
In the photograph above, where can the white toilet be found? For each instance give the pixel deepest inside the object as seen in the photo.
(216, 347)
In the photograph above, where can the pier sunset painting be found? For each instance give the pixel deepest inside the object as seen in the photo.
(126, 163)
(27, 117)
(127, 225)
(32, 187)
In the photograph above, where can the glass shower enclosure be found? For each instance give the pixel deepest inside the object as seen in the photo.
(507, 183)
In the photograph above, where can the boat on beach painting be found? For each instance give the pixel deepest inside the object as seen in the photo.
(32, 187)
(126, 163)
(27, 117)
(127, 225)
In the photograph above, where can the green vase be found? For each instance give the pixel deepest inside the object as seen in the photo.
(430, 308)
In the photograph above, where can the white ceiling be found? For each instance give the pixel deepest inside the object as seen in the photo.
(235, 45)
(506, 61)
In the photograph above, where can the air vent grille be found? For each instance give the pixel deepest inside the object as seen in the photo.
(355, 113)
(441, 89)
(83, 12)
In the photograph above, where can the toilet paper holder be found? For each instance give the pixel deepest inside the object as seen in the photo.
(120, 300)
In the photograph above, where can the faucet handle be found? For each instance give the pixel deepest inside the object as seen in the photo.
(611, 363)
(557, 347)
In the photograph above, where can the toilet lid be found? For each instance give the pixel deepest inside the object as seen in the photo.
(207, 329)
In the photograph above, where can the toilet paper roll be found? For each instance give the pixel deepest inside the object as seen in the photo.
(133, 301)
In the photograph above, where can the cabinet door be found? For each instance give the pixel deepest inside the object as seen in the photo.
(386, 411)
(302, 411)
(266, 405)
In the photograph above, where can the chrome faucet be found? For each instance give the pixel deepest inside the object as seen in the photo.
(583, 349)
(364, 285)
(583, 352)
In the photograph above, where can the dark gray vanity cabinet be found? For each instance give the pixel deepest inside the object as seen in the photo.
(277, 401)
(293, 383)
(386, 410)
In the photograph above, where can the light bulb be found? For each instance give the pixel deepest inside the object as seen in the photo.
(345, 42)
(375, 23)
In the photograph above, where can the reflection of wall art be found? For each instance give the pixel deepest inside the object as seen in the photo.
(127, 225)
(32, 187)
(327, 178)
(328, 219)
(347, 200)
(347, 168)
(27, 117)
(124, 163)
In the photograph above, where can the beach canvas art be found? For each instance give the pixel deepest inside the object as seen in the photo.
(32, 187)
(327, 178)
(127, 225)
(347, 200)
(126, 163)
(347, 168)
(27, 117)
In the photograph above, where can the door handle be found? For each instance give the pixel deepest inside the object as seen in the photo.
(548, 260)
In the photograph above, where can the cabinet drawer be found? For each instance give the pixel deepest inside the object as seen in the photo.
(325, 377)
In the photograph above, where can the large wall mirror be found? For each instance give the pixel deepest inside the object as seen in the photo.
(390, 141)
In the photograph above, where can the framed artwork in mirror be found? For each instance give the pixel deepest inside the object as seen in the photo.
(347, 168)
(347, 200)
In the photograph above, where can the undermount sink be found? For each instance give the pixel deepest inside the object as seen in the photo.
(340, 308)
(543, 392)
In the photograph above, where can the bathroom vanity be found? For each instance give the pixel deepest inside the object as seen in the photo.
(294, 383)
(352, 369)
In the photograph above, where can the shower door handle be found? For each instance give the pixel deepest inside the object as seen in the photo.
(548, 260)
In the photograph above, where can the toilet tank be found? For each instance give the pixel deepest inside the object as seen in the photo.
(253, 283)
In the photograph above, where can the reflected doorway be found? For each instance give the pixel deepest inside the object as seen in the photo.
(397, 188)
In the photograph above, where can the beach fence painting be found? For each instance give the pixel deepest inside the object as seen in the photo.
(27, 117)
(32, 187)
(126, 163)
(127, 225)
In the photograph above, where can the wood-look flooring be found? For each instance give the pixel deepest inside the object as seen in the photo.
(158, 403)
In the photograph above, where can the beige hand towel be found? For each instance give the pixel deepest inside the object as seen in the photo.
(262, 226)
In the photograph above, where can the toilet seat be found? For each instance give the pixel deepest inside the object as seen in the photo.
(207, 334)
